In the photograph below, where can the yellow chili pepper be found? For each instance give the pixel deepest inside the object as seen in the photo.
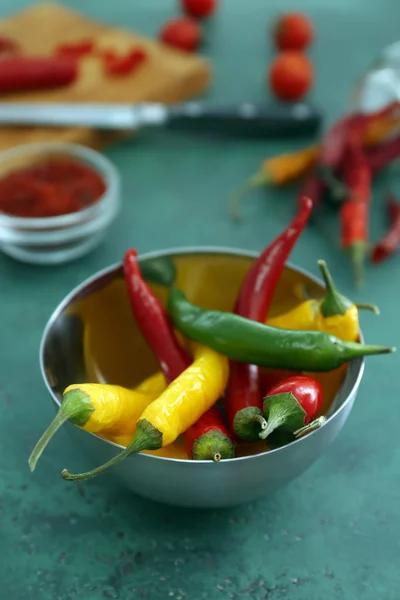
(154, 385)
(276, 170)
(335, 314)
(95, 407)
(182, 403)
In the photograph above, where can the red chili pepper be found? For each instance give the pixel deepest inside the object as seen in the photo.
(153, 321)
(243, 399)
(354, 211)
(208, 438)
(123, 65)
(335, 141)
(391, 241)
(19, 73)
(382, 155)
(290, 406)
(76, 49)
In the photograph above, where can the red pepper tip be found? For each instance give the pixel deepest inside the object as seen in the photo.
(306, 202)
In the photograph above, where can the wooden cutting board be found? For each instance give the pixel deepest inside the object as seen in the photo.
(168, 76)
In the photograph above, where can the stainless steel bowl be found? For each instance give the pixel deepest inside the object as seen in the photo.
(92, 336)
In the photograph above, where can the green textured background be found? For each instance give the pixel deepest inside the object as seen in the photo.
(333, 534)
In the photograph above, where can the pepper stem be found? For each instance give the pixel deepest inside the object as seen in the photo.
(372, 307)
(248, 423)
(310, 427)
(357, 252)
(257, 180)
(333, 303)
(283, 411)
(76, 407)
(213, 445)
(146, 437)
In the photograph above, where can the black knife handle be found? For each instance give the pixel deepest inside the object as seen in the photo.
(247, 119)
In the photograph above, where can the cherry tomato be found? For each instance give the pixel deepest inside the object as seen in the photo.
(183, 33)
(199, 8)
(290, 75)
(293, 31)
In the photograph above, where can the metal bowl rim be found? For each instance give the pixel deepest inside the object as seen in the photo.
(180, 251)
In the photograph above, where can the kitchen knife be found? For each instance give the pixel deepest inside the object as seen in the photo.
(247, 119)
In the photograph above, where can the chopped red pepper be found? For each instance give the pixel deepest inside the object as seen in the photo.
(123, 65)
(75, 49)
(390, 243)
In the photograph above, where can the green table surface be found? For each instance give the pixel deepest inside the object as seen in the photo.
(333, 533)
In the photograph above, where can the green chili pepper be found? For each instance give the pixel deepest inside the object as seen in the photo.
(251, 342)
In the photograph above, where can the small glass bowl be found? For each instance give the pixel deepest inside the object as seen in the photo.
(55, 240)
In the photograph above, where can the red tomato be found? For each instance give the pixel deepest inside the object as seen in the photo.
(293, 31)
(183, 33)
(290, 75)
(307, 391)
(199, 8)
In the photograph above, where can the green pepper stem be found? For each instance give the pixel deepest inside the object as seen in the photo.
(333, 303)
(284, 411)
(372, 307)
(213, 445)
(310, 427)
(146, 437)
(76, 407)
(248, 423)
(358, 252)
(257, 180)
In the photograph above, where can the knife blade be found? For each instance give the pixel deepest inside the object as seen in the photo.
(244, 119)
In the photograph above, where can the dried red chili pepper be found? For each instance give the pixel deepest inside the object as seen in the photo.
(20, 73)
(390, 243)
(335, 141)
(123, 65)
(243, 399)
(75, 49)
(208, 437)
(381, 156)
(354, 211)
(49, 189)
